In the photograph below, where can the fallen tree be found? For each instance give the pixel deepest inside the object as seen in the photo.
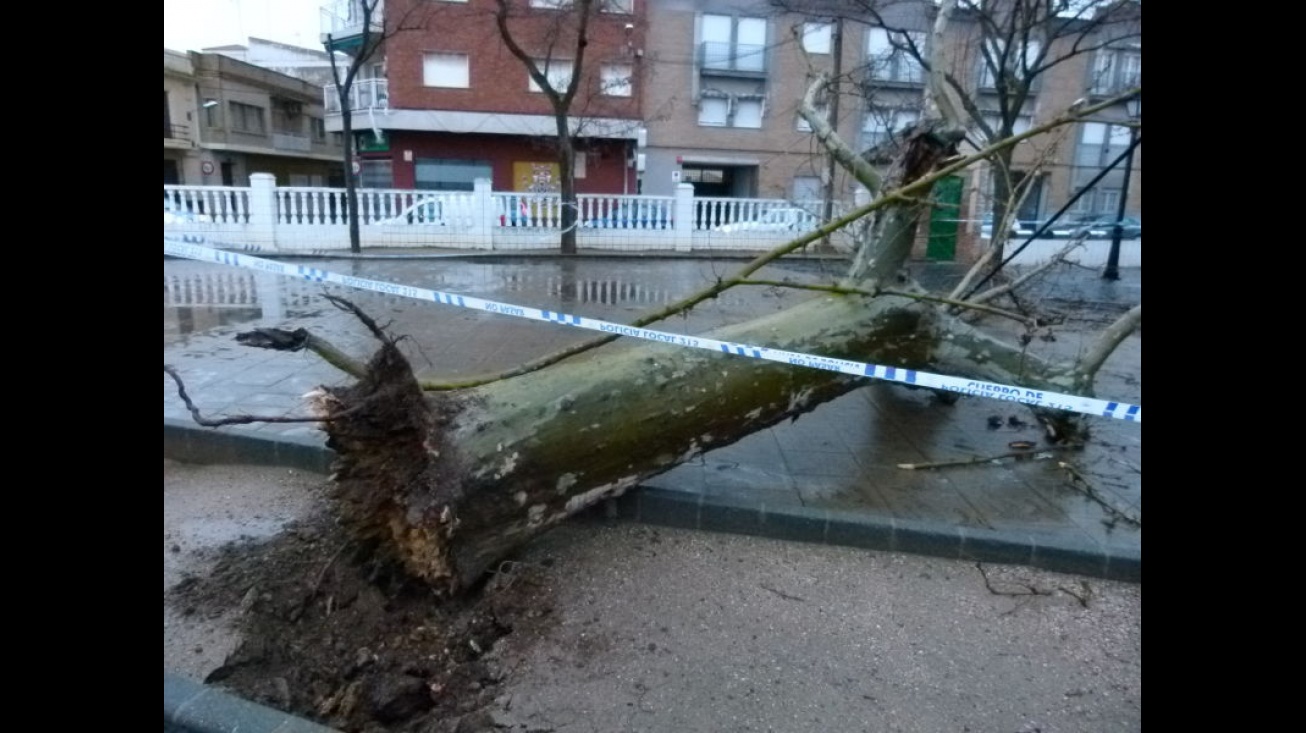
(450, 481)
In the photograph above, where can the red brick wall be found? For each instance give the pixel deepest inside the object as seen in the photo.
(498, 80)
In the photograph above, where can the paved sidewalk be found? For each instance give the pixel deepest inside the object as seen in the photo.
(831, 476)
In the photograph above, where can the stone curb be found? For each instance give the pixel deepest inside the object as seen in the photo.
(650, 505)
(189, 707)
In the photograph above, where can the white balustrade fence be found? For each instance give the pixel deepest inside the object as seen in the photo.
(271, 218)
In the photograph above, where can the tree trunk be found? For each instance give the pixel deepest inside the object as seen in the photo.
(351, 178)
(450, 483)
(567, 169)
(1002, 199)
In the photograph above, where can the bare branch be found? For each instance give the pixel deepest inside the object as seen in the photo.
(1081, 483)
(233, 420)
(1088, 365)
(1037, 454)
(863, 171)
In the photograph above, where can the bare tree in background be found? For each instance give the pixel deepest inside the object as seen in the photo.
(369, 44)
(998, 55)
(551, 39)
(451, 477)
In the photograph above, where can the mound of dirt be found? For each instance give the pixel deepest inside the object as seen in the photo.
(330, 634)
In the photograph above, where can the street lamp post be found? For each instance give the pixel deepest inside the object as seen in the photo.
(1135, 109)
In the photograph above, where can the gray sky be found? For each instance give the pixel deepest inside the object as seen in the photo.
(189, 25)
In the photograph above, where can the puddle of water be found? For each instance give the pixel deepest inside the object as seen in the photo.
(199, 296)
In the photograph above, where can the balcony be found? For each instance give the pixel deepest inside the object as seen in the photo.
(342, 22)
(364, 95)
(176, 136)
(291, 141)
(732, 59)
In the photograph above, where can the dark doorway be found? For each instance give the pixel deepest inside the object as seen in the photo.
(171, 175)
(228, 174)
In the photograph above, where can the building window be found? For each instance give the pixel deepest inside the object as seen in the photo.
(319, 129)
(450, 174)
(445, 70)
(719, 109)
(1100, 143)
(732, 44)
(615, 80)
(890, 55)
(557, 71)
(808, 188)
(376, 174)
(1015, 65)
(713, 111)
(624, 7)
(286, 118)
(551, 4)
(748, 112)
(1116, 70)
(882, 126)
(817, 37)
(247, 118)
(1020, 124)
(338, 139)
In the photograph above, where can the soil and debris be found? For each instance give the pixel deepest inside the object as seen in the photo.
(332, 635)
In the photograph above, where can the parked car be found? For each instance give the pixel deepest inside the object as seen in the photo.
(1102, 228)
(1096, 226)
(174, 214)
(429, 212)
(186, 222)
(986, 227)
(787, 219)
(526, 211)
(1028, 227)
(628, 216)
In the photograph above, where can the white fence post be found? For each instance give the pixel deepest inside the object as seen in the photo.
(262, 227)
(683, 223)
(483, 214)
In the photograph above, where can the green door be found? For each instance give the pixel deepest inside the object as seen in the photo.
(944, 219)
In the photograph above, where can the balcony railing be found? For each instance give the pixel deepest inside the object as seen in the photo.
(365, 94)
(343, 19)
(290, 141)
(741, 58)
(176, 131)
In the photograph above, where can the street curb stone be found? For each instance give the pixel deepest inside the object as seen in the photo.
(190, 707)
(730, 513)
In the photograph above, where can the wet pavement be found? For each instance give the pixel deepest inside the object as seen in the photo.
(833, 475)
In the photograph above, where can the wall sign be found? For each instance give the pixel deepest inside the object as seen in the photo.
(206, 167)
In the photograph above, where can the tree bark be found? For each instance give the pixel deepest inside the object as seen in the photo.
(450, 483)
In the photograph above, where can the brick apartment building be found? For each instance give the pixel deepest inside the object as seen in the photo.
(449, 103)
(704, 92)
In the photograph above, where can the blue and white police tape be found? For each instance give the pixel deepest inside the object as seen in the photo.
(1041, 398)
